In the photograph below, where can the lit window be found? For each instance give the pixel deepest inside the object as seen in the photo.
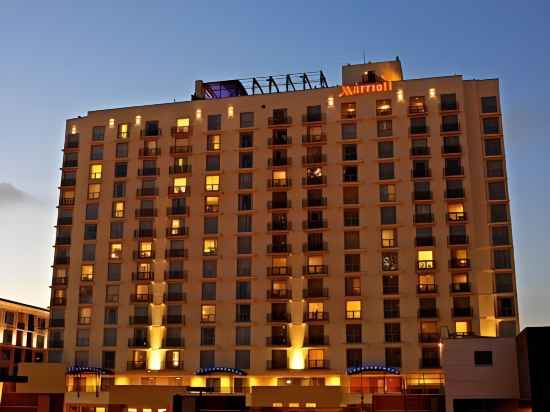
(462, 327)
(315, 307)
(212, 183)
(94, 190)
(212, 204)
(118, 209)
(293, 405)
(432, 93)
(175, 225)
(85, 316)
(210, 246)
(389, 238)
(277, 404)
(95, 171)
(213, 142)
(279, 262)
(182, 124)
(348, 110)
(311, 405)
(279, 175)
(208, 313)
(353, 309)
(123, 131)
(115, 250)
(315, 260)
(87, 272)
(425, 259)
(145, 249)
(180, 184)
(455, 211)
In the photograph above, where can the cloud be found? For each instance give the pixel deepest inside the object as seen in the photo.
(11, 196)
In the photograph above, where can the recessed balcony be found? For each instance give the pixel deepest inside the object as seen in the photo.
(280, 226)
(181, 132)
(453, 171)
(175, 274)
(314, 138)
(315, 316)
(314, 180)
(457, 263)
(177, 231)
(426, 288)
(314, 159)
(309, 270)
(136, 365)
(279, 294)
(420, 151)
(421, 173)
(147, 191)
(423, 218)
(314, 202)
(424, 241)
(174, 342)
(313, 340)
(456, 217)
(278, 204)
(174, 320)
(457, 193)
(451, 149)
(315, 293)
(175, 297)
(282, 271)
(419, 129)
(282, 140)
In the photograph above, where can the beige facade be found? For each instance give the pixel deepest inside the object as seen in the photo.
(290, 235)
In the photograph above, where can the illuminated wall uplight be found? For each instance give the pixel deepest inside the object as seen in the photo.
(400, 96)
(73, 129)
(432, 93)
(198, 114)
(138, 120)
(330, 101)
(230, 112)
(111, 123)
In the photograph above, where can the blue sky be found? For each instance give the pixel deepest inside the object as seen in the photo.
(61, 58)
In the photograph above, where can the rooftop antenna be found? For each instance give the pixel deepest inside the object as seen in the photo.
(364, 57)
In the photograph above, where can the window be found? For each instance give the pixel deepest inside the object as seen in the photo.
(384, 128)
(123, 131)
(94, 189)
(213, 142)
(121, 169)
(353, 309)
(246, 140)
(352, 286)
(502, 259)
(117, 230)
(244, 267)
(210, 247)
(245, 180)
(352, 263)
(212, 162)
(121, 150)
(208, 313)
(114, 272)
(497, 190)
(96, 152)
(388, 215)
(90, 231)
(208, 291)
(98, 133)
(242, 359)
(392, 332)
(246, 119)
(245, 202)
(385, 149)
(109, 336)
(208, 336)
(88, 251)
(87, 272)
(351, 240)
(118, 209)
(504, 283)
(489, 104)
(390, 285)
(495, 168)
(350, 195)
(180, 185)
(349, 152)
(246, 160)
(491, 125)
(243, 290)
(119, 189)
(244, 245)
(448, 101)
(348, 110)
(391, 308)
(244, 223)
(111, 315)
(499, 213)
(82, 337)
(242, 335)
(493, 147)
(207, 359)
(349, 131)
(212, 183)
(387, 193)
(214, 122)
(500, 235)
(115, 251)
(351, 217)
(483, 358)
(389, 238)
(354, 357)
(211, 225)
(383, 107)
(393, 357)
(354, 333)
(209, 268)
(386, 171)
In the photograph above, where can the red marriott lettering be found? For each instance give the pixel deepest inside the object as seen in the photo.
(355, 89)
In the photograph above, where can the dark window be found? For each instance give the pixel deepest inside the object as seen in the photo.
(500, 235)
(244, 267)
(493, 147)
(448, 101)
(390, 285)
(242, 359)
(117, 230)
(504, 283)
(207, 359)
(121, 169)
(502, 259)
(96, 152)
(354, 333)
(119, 189)
(108, 360)
(114, 272)
(245, 180)
(388, 215)
(495, 168)
(246, 140)
(88, 252)
(385, 149)
(497, 191)
(354, 357)
(499, 213)
(212, 162)
(392, 332)
(352, 263)
(208, 291)
(98, 133)
(246, 160)
(90, 231)
(244, 223)
(393, 357)
(214, 122)
(391, 308)
(244, 245)
(483, 358)
(489, 104)
(242, 335)
(122, 150)
(209, 268)
(349, 131)
(386, 171)
(211, 225)
(350, 195)
(384, 128)
(247, 119)
(243, 290)
(491, 125)
(245, 202)
(349, 152)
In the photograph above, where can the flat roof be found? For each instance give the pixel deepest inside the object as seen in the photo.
(24, 304)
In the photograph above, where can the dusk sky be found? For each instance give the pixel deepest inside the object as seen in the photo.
(60, 59)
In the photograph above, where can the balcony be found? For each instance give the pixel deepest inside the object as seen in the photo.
(151, 132)
(282, 140)
(309, 270)
(143, 275)
(147, 191)
(57, 323)
(314, 159)
(277, 365)
(278, 204)
(313, 118)
(315, 316)
(138, 343)
(419, 108)
(450, 127)
(143, 254)
(279, 271)
(144, 233)
(450, 106)
(174, 364)
(146, 212)
(279, 120)
(279, 294)
(314, 224)
(63, 240)
(420, 129)
(451, 149)
(315, 247)
(173, 342)
(317, 364)
(277, 341)
(453, 171)
(458, 239)
(427, 313)
(279, 161)
(420, 151)
(55, 343)
(421, 172)
(181, 132)
(149, 152)
(425, 265)
(179, 169)
(278, 183)
(315, 293)
(462, 312)
(177, 211)
(59, 301)
(181, 149)
(71, 141)
(314, 138)
(136, 365)
(430, 363)
(175, 253)
(174, 320)
(426, 288)
(429, 337)
(422, 195)
(456, 217)
(314, 180)
(141, 297)
(313, 340)
(68, 181)
(459, 263)
(177, 231)
(149, 171)
(279, 226)
(425, 241)
(64, 221)
(463, 287)
(505, 312)
(279, 248)
(423, 218)
(314, 202)
(175, 274)
(69, 163)
(278, 317)
(457, 193)
(61, 260)
(59, 281)
(139, 320)
(175, 297)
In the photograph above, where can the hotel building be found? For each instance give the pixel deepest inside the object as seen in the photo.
(278, 232)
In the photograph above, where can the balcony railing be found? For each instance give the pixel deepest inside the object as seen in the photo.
(430, 363)
(175, 211)
(138, 343)
(426, 288)
(179, 190)
(425, 241)
(458, 239)
(276, 365)
(317, 364)
(314, 224)
(279, 226)
(449, 106)
(454, 193)
(315, 316)
(139, 320)
(144, 233)
(421, 172)
(147, 191)
(278, 317)
(462, 287)
(149, 151)
(70, 163)
(314, 138)
(59, 301)
(175, 274)
(423, 218)
(143, 275)
(313, 117)
(61, 260)
(279, 161)
(177, 231)
(315, 270)
(275, 183)
(173, 364)
(420, 129)
(141, 297)
(315, 247)
(181, 149)
(315, 293)
(176, 253)
(422, 195)
(277, 341)
(174, 320)
(278, 204)
(462, 312)
(453, 171)
(279, 294)
(279, 271)
(63, 240)
(68, 181)
(459, 263)
(181, 132)
(175, 297)
(64, 221)
(429, 337)
(282, 140)
(314, 180)
(420, 151)
(425, 264)
(146, 212)
(427, 313)
(314, 202)
(143, 254)
(174, 342)
(279, 248)
(279, 120)
(451, 148)
(179, 169)
(418, 108)
(149, 171)
(71, 141)
(456, 217)
(314, 159)
(313, 340)
(151, 132)
(59, 281)
(450, 127)
(505, 312)
(136, 365)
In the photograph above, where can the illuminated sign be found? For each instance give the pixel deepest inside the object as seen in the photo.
(356, 89)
